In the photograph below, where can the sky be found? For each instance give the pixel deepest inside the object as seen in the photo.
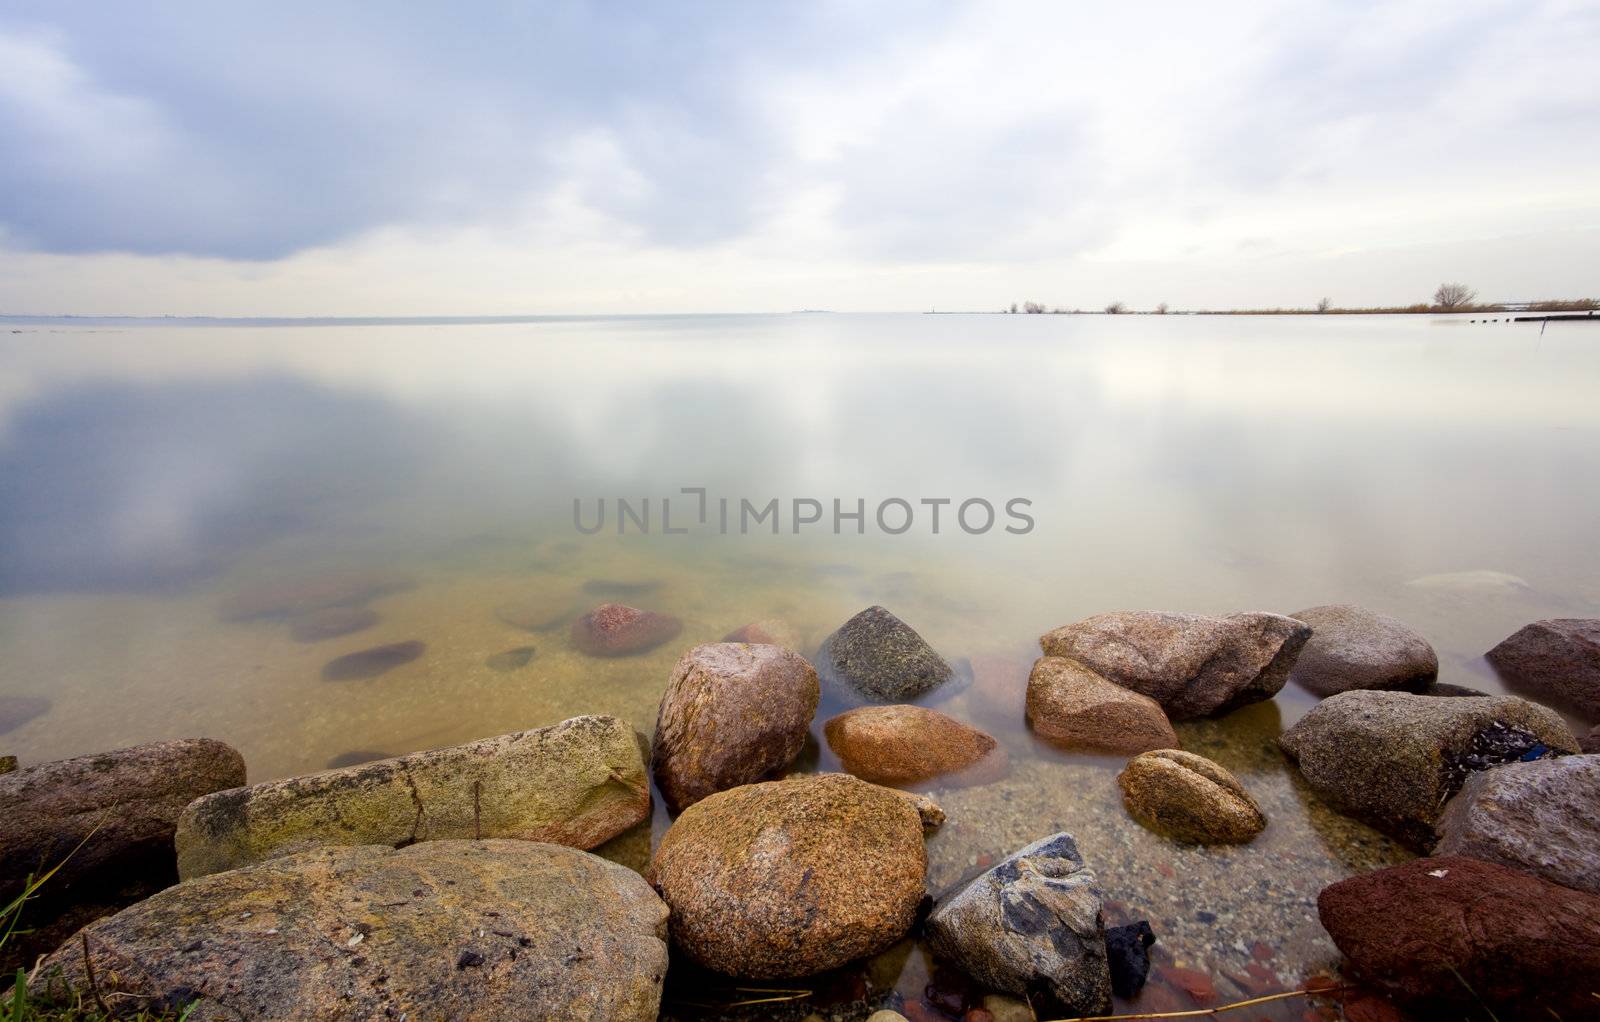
(324, 159)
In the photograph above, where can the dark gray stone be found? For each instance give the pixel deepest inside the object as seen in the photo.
(876, 658)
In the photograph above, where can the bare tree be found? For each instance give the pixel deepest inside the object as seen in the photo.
(1453, 296)
(1115, 309)
(1161, 310)
(1323, 305)
(1013, 308)
(1033, 308)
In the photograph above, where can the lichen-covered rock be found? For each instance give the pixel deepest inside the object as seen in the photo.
(129, 801)
(732, 714)
(791, 878)
(1072, 707)
(1454, 935)
(769, 631)
(1393, 759)
(902, 745)
(1193, 665)
(1556, 661)
(614, 629)
(1541, 817)
(1031, 925)
(876, 658)
(1353, 647)
(462, 930)
(1190, 798)
(578, 783)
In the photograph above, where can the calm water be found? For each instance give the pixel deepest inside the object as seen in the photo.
(150, 473)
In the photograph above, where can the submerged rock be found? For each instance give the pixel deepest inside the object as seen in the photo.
(613, 629)
(620, 587)
(876, 658)
(369, 663)
(1542, 817)
(1190, 798)
(769, 631)
(468, 930)
(1072, 707)
(1128, 951)
(1556, 661)
(1446, 690)
(508, 660)
(791, 878)
(1031, 925)
(900, 745)
(1193, 665)
(538, 611)
(306, 593)
(732, 714)
(1455, 933)
(331, 622)
(1393, 759)
(17, 710)
(356, 757)
(1472, 583)
(578, 783)
(1353, 647)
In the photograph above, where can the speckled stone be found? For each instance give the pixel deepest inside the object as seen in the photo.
(1541, 817)
(1190, 798)
(614, 629)
(1353, 647)
(1556, 661)
(902, 745)
(1072, 707)
(876, 658)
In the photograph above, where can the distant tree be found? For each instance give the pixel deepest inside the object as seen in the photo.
(1453, 296)
(1013, 308)
(1115, 309)
(1161, 310)
(1032, 308)
(1324, 305)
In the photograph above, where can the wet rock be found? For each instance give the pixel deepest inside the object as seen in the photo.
(578, 783)
(306, 593)
(468, 930)
(1128, 951)
(1445, 690)
(1031, 925)
(1190, 798)
(538, 611)
(1353, 647)
(17, 710)
(928, 811)
(1556, 661)
(1193, 665)
(876, 658)
(1480, 583)
(356, 757)
(791, 878)
(769, 631)
(1541, 817)
(617, 630)
(902, 745)
(8, 764)
(1430, 929)
(1393, 759)
(732, 714)
(1072, 707)
(331, 622)
(369, 663)
(129, 800)
(508, 660)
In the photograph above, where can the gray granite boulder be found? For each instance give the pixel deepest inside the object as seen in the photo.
(1555, 661)
(1353, 647)
(1031, 925)
(1542, 817)
(877, 658)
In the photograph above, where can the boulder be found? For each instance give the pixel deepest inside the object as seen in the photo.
(1190, 798)
(732, 714)
(1031, 925)
(468, 930)
(791, 878)
(508, 660)
(769, 631)
(17, 710)
(1430, 929)
(1072, 707)
(369, 663)
(1555, 661)
(876, 658)
(1193, 665)
(1353, 647)
(1393, 759)
(578, 783)
(904, 745)
(107, 821)
(331, 622)
(614, 629)
(1541, 817)
(1128, 949)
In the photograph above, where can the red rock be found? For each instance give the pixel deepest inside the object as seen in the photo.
(916, 1011)
(1260, 952)
(1193, 982)
(978, 1015)
(1556, 661)
(1370, 1008)
(902, 744)
(614, 629)
(767, 632)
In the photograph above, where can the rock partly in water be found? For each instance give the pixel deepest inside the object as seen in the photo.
(791, 878)
(731, 715)
(1193, 665)
(578, 783)
(107, 820)
(1031, 925)
(1446, 690)
(1190, 798)
(508, 660)
(538, 611)
(613, 629)
(769, 631)
(331, 622)
(1542, 817)
(356, 757)
(1454, 933)
(1353, 647)
(369, 663)
(469, 930)
(876, 658)
(1072, 707)
(1393, 759)
(17, 710)
(1128, 951)
(303, 594)
(905, 745)
(621, 588)
(8, 764)
(1556, 661)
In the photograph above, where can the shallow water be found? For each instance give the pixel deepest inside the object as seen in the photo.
(163, 486)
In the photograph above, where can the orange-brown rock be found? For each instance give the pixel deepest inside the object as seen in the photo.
(1072, 707)
(769, 631)
(615, 629)
(903, 744)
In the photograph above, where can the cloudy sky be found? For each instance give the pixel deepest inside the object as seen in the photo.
(350, 158)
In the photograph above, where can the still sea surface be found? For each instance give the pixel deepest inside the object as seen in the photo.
(155, 476)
